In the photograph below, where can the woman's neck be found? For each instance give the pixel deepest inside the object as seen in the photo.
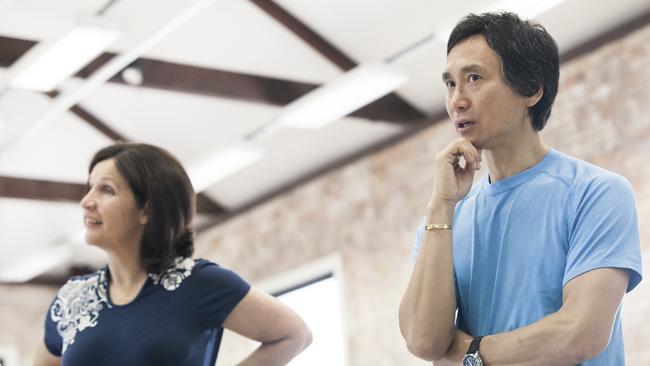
(127, 276)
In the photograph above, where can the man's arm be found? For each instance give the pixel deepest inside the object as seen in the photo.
(427, 310)
(426, 313)
(577, 332)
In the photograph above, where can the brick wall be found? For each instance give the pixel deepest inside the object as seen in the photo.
(368, 211)
(22, 313)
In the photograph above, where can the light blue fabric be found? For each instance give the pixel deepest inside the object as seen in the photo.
(518, 241)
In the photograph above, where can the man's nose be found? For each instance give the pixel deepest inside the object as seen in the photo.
(458, 99)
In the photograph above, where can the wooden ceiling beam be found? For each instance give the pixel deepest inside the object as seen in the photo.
(390, 108)
(308, 35)
(92, 120)
(209, 82)
(44, 190)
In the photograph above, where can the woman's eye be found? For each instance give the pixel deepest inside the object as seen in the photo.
(107, 189)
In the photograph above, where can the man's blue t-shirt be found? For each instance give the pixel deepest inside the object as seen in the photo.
(176, 319)
(518, 241)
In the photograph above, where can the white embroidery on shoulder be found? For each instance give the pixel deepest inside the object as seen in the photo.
(77, 306)
(172, 278)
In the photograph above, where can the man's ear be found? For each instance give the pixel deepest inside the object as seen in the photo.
(534, 99)
(143, 219)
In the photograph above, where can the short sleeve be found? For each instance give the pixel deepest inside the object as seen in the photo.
(221, 291)
(419, 233)
(604, 232)
(53, 340)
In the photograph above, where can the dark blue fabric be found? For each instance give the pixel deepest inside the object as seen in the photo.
(176, 320)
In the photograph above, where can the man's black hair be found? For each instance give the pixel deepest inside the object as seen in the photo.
(529, 56)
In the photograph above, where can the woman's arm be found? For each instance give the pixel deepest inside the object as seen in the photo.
(44, 357)
(263, 318)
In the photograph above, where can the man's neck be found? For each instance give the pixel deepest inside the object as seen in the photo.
(510, 159)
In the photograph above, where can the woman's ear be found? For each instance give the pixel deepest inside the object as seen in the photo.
(143, 219)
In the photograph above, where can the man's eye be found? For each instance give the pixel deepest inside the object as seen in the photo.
(449, 84)
(474, 77)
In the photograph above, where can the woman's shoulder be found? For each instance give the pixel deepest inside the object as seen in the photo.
(78, 282)
(199, 270)
(211, 272)
(206, 267)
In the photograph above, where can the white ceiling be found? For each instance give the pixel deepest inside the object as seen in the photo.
(238, 36)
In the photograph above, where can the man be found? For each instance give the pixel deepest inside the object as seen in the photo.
(536, 256)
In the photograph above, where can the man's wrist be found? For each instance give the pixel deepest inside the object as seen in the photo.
(440, 212)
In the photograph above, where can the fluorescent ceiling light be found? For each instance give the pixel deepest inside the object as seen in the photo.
(48, 63)
(223, 163)
(335, 100)
(69, 98)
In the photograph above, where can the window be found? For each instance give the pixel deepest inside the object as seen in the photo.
(8, 355)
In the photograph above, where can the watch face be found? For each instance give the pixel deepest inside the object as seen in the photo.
(472, 360)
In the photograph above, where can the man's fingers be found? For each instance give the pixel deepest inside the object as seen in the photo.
(472, 155)
(464, 148)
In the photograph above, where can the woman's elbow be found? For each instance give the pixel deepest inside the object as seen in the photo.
(302, 336)
(307, 337)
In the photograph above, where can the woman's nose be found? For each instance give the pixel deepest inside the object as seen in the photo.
(86, 201)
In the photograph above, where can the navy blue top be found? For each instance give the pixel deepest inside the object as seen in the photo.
(176, 319)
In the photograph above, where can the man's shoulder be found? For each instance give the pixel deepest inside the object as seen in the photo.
(582, 175)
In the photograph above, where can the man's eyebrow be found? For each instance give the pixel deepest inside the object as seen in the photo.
(472, 68)
(465, 70)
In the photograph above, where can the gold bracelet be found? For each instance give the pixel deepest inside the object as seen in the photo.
(435, 227)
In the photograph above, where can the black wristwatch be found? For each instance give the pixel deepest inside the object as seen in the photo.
(472, 357)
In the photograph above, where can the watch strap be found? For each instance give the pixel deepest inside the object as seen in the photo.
(473, 347)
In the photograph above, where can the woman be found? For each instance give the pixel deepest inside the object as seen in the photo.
(153, 304)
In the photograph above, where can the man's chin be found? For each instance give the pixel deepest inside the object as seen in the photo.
(477, 143)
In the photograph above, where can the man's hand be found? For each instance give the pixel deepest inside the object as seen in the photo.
(453, 182)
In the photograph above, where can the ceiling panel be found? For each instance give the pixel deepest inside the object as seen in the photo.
(29, 223)
(188, 125)
(59, 151)
(371, 30)
(293, 153)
